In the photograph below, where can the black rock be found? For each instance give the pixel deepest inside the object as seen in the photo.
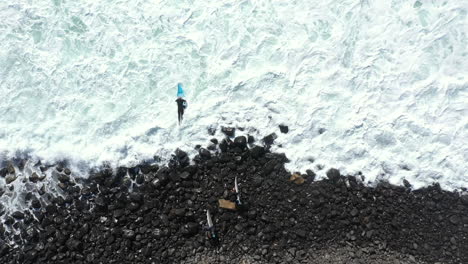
(240, 142)
(250, 139)
(140, 179)
(270, 139)
(18, 215)
(284, 129)
(211, 130)
(148, 168)
(211, 147)
(333, 174)
(133, 206)
(406, 183)
(310, 175)
(63, 178)
(128, 233)
(228, 131)
(4, 249)
(177, 212)
(161, 180)
(67, 171)
(36, 204)
(464, 199)
(223, 146)
(301, 233)
(34, 177)
(121, 172)
(190, 229)
(257, 152)
(185, 175)
(74, 245)
(204, 154)
(10, 168)
(3, 172)
(214, 141)
(9, 220)
(454, 219)
(136, 197)
(10, 178)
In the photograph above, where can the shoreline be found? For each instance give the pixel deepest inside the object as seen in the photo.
(153, 214)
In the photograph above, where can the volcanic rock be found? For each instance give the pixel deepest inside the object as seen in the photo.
(10, 178)
(333, 174)
(228, 131)
(284, 129)
(270, 139)
(240, 142)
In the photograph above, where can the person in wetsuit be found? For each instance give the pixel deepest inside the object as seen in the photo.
(181, 104)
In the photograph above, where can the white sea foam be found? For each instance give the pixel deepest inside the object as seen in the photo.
(95, 81)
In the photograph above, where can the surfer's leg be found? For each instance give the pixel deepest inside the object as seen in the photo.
(180, 115)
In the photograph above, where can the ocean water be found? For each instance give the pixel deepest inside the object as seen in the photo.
(378, 87)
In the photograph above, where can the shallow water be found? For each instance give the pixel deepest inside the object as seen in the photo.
(385, 81)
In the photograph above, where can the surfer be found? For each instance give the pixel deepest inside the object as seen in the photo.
(181, 102)
(180, 108)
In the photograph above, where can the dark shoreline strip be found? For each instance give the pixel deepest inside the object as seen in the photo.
(285, 219)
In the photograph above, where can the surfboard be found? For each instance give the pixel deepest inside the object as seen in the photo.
(180, 90)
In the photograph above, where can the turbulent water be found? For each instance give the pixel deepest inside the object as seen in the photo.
(374, 86)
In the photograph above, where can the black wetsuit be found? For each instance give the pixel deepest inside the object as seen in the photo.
(180, 108)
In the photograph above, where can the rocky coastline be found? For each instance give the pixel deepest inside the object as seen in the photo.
(157, 214)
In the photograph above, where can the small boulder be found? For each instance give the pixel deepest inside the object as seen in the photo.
(136, 197)
(140, 179)
(179, 212)
(185, 175)
(189, 229)
(310, 175)
(10, 168)
(10, 178)
(228, 131)
(128, 234)
(18, 215)
(464, 199)
(223, 145)
(240, 142)
(204, 153)
(333, 174)
(250, 139)
(180, 154)
(36, 204)
(284, 129)
(406, 184)
(257, 152)
(34, 177)
(147, 168)
(211, 130)
(63, 178)
(268, 140)
(454, 219)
